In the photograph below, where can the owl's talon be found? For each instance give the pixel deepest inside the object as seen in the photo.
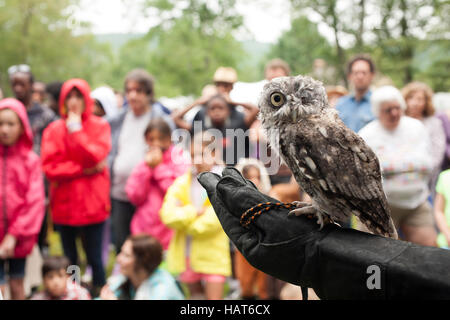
(320, 220)
(310, 211)
(305, 210)
(300, 204)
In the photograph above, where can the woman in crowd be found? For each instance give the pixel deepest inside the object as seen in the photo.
(140, 277)
(419, 105)
(74, 152)
(404, 150)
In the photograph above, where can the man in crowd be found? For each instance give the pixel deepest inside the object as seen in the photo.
(354, 109)
(22, 80)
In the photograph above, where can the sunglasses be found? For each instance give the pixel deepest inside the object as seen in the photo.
(19, 68)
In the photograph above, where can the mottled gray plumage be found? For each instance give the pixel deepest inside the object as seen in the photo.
(331, 163)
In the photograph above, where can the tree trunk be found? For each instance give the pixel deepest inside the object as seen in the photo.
(361, 29)
(408, 50)
(339, 49)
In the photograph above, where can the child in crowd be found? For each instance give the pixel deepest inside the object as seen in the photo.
(57, 282)
(22, 195)
(150, 180)
(247, 275)
(140, 277)
(74, 151)
(442, 209)
(199, 249)
(220, 113)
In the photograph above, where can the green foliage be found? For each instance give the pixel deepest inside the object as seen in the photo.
(433, 62)
(408, 39)
(429, 62)
(39, 33)
(301, 45)
(184, 50)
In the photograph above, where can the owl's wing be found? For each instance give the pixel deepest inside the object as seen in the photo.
(337, 164)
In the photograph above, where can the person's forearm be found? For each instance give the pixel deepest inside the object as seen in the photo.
(251, 112)
(178, 115)
(442, 223)
(246, 105)
(181, 113)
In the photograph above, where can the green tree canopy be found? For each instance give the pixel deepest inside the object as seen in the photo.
(40, 33)
(185, 49)
(301, 45)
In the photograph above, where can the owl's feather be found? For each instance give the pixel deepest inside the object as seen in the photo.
(331, 163)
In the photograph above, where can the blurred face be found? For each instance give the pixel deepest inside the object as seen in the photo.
(55, 282)
(202, 158)
(138, 99)
(155, 139)
(10, 127)
(390, 114)
(254, 176)
(39, 93)
(126, 259)
(218, 111)
(53, 104)
(273, 73)
(98, 109)
(21, 86)
(75, 102)
(224, 87)
(416, 104)
(360, 76)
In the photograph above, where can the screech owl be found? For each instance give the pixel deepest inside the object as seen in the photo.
(331, 163)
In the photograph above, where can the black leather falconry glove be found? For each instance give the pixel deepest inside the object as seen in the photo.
(337, 263)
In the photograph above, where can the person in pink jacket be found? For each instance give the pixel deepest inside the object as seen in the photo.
(22, 195)
(150, 179)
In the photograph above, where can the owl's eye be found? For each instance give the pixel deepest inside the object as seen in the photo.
(277, 99)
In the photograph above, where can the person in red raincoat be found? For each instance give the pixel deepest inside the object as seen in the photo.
(74, 151)
(22, 198)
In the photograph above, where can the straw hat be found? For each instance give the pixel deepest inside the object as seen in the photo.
(339, 90)
(225, 74)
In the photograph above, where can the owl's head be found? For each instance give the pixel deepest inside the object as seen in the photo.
(288, 99)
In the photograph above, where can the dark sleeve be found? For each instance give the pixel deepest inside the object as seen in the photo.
(199, 116)
(237, 120)
(348, 264)
(338, 263)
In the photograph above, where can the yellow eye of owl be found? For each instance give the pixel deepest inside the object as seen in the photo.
(277, 99)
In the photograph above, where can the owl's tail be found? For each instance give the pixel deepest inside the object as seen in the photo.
(386, 230)
(392, 230)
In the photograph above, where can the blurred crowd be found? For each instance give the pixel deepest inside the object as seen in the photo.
(113, 175)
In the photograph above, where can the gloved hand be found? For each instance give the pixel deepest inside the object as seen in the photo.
(337, 263)
(274, 242)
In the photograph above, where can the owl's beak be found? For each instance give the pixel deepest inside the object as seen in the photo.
(294, 115)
